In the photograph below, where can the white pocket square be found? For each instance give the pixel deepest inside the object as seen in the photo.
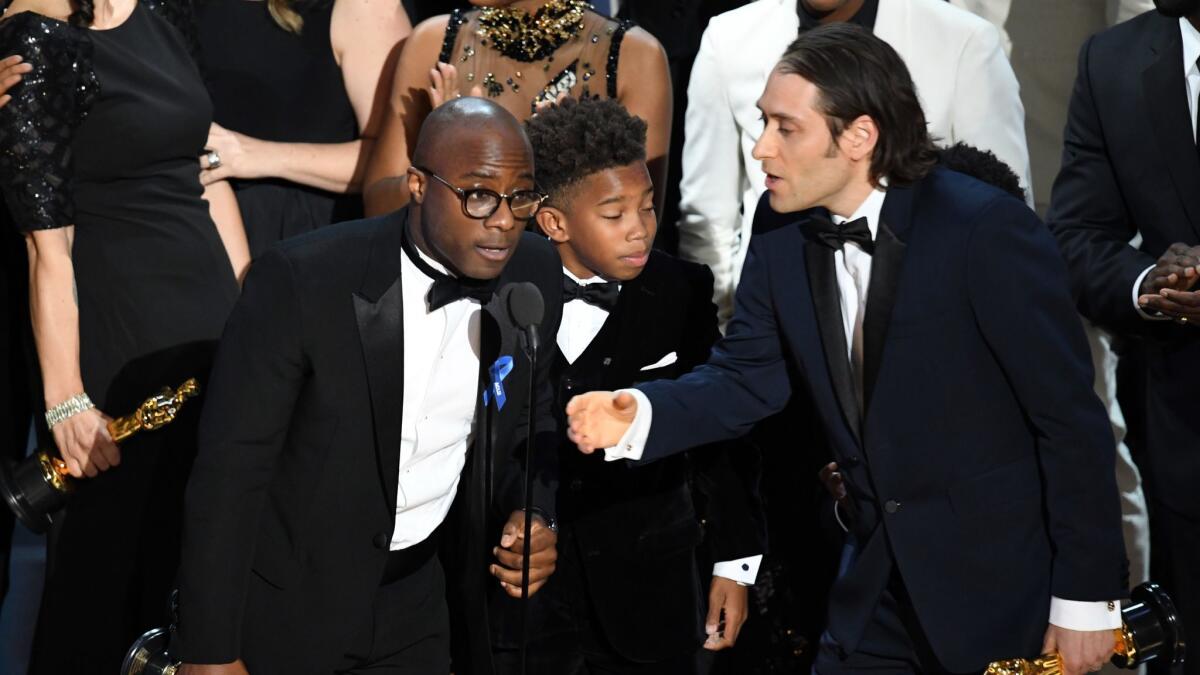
(664, 361)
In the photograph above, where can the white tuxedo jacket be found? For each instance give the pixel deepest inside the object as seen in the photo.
(958, 64)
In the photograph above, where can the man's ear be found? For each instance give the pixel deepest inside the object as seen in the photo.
(553, 223)
(860, 137)
(416, 184)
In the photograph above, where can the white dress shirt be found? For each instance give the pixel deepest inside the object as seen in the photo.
(441, 381)
(1191, 73)
(853, 271)
(581, 322)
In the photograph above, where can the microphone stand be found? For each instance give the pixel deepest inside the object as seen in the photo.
(529, 339)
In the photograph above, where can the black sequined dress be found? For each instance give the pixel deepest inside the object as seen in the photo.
(105, 135)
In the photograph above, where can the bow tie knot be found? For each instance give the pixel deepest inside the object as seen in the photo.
(447, 289)
(601, 294)
(835, 235)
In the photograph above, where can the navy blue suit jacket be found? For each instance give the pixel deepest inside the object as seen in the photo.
(983, 452)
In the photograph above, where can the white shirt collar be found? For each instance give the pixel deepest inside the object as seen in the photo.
(870, 209)
(594, 279)
(1191, 44)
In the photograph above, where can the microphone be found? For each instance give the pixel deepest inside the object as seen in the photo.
(526, 309)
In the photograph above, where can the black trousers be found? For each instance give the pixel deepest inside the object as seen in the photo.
(892, 644)
(568, 639)
(1175, 563)
(408, 632)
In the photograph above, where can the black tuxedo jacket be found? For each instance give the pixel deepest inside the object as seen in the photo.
(291, 503)
(983, 462)
(1130, 166)
(636, 529)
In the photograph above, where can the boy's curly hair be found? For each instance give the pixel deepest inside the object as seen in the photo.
(575, 139)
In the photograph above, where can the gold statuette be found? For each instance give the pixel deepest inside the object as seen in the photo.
(38, 486)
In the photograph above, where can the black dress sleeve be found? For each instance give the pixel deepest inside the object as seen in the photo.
(37, 125)
(182, 15)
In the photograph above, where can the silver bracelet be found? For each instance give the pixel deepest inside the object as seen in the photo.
(68, 408)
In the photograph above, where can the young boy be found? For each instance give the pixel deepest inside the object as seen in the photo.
(625, 597)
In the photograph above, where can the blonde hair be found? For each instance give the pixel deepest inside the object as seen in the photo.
(283, 14)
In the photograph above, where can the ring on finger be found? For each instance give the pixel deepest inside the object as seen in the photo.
(214, 159)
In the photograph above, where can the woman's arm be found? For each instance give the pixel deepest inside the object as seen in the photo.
(385, 187)
(223, 208)
(366, 36)
(644, 88)
(82, 439)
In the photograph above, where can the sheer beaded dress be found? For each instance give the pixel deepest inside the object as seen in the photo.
(581, 62)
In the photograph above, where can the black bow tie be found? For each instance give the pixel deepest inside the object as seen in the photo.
(447, 289)
(834, 235)
(603, 295)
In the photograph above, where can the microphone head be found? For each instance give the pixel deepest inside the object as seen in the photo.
(525, 304)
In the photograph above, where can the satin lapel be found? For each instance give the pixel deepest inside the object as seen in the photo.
(886, 264)
(822, 279)
(485, 416)
(498, 338)
(381, 332)
(1165, 89)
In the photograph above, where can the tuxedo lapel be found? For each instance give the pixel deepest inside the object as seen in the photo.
(378, 310)
(886, 265)
(1165, 89)
(822, 279)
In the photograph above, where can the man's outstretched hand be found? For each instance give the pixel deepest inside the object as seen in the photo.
(599, 419)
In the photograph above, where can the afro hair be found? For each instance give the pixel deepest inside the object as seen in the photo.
(576, 139)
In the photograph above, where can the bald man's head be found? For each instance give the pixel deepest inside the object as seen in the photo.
(468, 144)
(460, 119)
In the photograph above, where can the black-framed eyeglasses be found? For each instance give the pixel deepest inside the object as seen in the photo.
(481, 203)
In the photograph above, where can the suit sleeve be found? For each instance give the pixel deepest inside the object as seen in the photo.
(744, 380)
(1088, 217)
(1018, 290)
(259, 371)
(726, 474)
(987, 103)
(709, 191)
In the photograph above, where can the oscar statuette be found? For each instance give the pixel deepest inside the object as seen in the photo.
(1151, 629)
(37, 487)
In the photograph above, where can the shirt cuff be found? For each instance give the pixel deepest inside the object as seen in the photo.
(633, 443)
(1076, 615)
(744, 570)
(1137, 285)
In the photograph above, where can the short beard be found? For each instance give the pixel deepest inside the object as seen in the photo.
(1178, 8)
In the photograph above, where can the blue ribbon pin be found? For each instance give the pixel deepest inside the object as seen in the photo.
(499, 370)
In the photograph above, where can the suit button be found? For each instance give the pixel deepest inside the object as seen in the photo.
(891, 506)
(569, 384)
(381, 541)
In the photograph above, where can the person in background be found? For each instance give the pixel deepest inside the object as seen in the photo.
(298, 90)
(133, 267)
(520, 54)
(1126, 211)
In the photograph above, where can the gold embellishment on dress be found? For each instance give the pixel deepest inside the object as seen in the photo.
(468, 52)
(526, 37)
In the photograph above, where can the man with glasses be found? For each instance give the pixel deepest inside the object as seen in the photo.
(346, 439)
